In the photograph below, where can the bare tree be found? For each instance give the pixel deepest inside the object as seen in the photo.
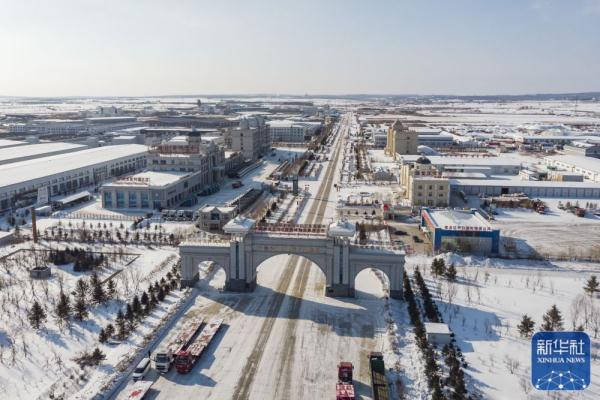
(511, 364)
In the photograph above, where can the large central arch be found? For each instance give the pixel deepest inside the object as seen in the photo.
(338, 258)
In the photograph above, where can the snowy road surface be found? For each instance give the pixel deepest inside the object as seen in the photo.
(284, 340)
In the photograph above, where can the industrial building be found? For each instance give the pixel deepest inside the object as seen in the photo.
(433, 137)
(30, 151)
(585, 148)
(93, 125)
(178, 169)
(151, 190)
(589, 167)
(490, 165)
(292, 131)
(460, 230)
(497, 187)
(65, 173)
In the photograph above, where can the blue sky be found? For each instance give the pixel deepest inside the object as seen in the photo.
(147, 47)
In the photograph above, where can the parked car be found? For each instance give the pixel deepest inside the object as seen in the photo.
(142, 369)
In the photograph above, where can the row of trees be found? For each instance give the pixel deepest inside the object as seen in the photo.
(454, 360)
(85, 293)
(451, 352)
(431, 310)
(431, 365)
(127, 321)
(438, 269)
(85, 235)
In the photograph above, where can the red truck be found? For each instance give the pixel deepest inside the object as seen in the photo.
(344, 389)
(164, 356)
(186, 359)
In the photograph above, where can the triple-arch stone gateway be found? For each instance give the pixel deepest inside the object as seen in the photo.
(329, 247)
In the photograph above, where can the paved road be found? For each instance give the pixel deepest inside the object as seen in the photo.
(284, 340)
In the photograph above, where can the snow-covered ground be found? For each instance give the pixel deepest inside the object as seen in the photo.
(486, 304)
(43, 359)
(556, 233)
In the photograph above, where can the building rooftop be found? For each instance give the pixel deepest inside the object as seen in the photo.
(589, 163)
(451, 160)
(38, 149)
(150, 179)
(224, 209)
(10, 143)
(18, 172)
(497, 181)
(450, 219)
(437, 328)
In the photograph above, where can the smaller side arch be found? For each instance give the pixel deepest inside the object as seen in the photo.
(389, 263)
(192, 256)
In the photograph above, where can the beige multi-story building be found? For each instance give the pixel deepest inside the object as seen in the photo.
(251, 137)
(401, 140)
(424, 185)
(189, 154)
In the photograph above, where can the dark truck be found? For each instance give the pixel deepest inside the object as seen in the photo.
(378, 380)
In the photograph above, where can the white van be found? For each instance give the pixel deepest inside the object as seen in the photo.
(142, 369)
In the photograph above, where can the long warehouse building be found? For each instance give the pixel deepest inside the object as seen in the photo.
(10, 155)
(65, 173)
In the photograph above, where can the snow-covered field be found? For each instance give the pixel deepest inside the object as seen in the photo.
(556, 233)
(486, 304)
(44, 358)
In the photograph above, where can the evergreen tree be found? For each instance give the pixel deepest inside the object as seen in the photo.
(36, 315)
(160, 295)
(147, 308)
(526, 326)
(98, 293)
(110, 330)
(80, 309)
(81, 288)
(451, 272)
(438, 267)
(592, 286)
(136, 306)
(144, 299)
(121, 323)
(111, 289)
(434, 267)
(63, 308)
(153, 300)
(102, 337)
(552, 320)
(130, 317)
(97, 356)
(441, 267)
